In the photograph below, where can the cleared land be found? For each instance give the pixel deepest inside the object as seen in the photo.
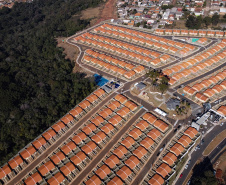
(220, 137)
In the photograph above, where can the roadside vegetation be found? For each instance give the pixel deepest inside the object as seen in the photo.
(37, 84)
(159, 81)
(203, 173)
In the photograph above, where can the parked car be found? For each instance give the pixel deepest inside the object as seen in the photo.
(186, 167)
(181, 175)
(222, 124)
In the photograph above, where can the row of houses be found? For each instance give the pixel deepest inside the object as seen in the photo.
(164, 168)
(69, 159)
(112, 65)
(126, 158)
(200, 33)
(200, 62)
(137, 35)
(136, 54)
(208, 88)
(43, 142)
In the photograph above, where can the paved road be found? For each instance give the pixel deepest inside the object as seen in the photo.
(196, 155)
(106, 149)
(56, 144)
(147, 167)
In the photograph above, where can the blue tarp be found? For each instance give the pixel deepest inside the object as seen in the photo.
(100, 80)
(194, 39)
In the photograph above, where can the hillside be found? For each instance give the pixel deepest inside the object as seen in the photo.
(37, 83)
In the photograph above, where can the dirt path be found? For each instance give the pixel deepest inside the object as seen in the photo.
(109, 11)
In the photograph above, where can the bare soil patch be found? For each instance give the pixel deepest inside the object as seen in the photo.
(180, 24)
(220, 137)
(92, 13)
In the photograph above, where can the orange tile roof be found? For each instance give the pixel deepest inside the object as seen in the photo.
(128, 142)
(167, 72)
(39, 143)
(78, 138)
(222, 110)
(28, 152)
(177, 149)
(223, 84)
(115, 120)
(191, 132)
(184, 141)
(156, 61)
(189, 90)
(124, 172)
(178, 76)
(201, 97)
(88, 129)
(163, 170)
(161, 125)
(142, 125)
(122, 99)
(59, 156)
(103, 171)
(206, 83)
(112, 161)
(105, 113)
(84, 104)
(169, 158)
(220, 76)
(5, 170)
(67, 168)
(217, 88)
(89, 147)
(107, 128)
(147, 142)
(131, 105)
(68, 118)
(129, 74)
(156, 180)
(120, 151)
(149, 117)
(58, 126)
(33, 179)
(46, 167)
(154, 134)
(99, 137)
(78, 158)
(198, 87)
(49, 134)
(135, 133)
(172, 81)
(69, 147)
(140, 152)
(92, 98)
(209, 92)
(56, 179)
(97, 120)
(213, 79)
(132, 162)
(15, 162)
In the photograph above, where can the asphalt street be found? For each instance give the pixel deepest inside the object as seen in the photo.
(196, 155)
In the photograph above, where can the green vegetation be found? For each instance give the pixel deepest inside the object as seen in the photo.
(194, 22)
(164, 7)
(37, 83)
(203, 173)
(183, 108)
(159, 80)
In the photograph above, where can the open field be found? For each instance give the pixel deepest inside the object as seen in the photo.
(220, 137)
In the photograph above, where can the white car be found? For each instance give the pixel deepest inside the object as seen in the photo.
(222, 124)
(186, 167)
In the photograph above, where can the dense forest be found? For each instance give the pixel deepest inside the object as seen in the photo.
(37, 85)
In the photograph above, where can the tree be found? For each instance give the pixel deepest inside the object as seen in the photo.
(207, 20)
(215, 19)
(193, 22)
(163, 88)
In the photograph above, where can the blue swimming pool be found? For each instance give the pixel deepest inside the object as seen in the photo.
(100, 80)
(194, 39)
